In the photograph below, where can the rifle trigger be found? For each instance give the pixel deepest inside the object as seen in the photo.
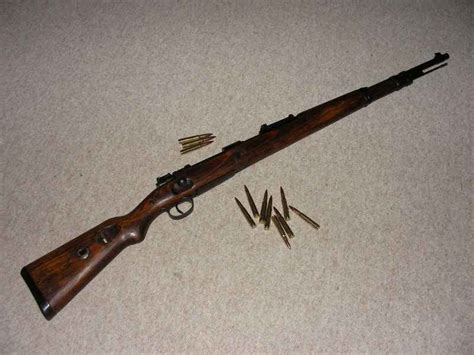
(186, 201)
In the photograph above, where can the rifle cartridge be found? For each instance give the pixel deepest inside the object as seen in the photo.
(285, 225)
(305, 218)
(281, 231)
(268, 213)
(245, 213)
(196, 142)
(190, 149)
(193, 138)
(263, 209)
(286, 212)
(253, 207)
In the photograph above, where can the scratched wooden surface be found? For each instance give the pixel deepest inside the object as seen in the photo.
(93, 99)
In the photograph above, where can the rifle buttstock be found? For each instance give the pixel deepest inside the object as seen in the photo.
(58, 276)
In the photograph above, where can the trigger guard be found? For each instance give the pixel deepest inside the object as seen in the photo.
(181, 213)
(177, 209)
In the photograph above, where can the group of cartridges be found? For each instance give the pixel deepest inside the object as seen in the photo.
(191, 143)
(265, 215)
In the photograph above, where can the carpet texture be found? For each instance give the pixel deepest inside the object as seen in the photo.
(93, 98)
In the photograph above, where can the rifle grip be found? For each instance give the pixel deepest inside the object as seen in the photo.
(55, 278)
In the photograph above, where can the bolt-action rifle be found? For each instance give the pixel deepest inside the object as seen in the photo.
(58, 276)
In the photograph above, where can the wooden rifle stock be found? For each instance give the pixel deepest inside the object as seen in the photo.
(58, 276)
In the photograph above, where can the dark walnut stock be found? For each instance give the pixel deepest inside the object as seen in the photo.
(58, 276)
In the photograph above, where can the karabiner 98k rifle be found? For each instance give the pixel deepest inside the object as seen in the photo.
(58, 276)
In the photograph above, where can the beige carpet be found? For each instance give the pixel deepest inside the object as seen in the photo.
(93, 98)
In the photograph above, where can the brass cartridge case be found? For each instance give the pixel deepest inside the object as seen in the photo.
(245, 213)
(305, 218)
(281, 231)
(285, 225)
(284, 203)
(253, 207)
(263, 209)
(268, 211)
